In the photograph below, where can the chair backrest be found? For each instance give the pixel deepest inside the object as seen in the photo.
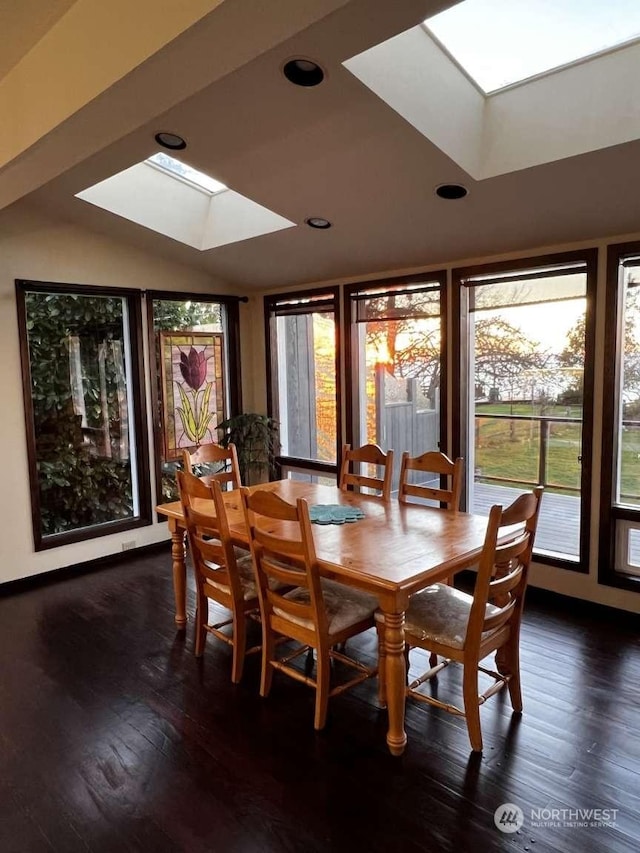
(207, 529)
(284, 556)
(504, 568)
(214, 454)
(369, 454)
(436, 463)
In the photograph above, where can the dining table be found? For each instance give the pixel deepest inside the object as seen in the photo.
(393, 551)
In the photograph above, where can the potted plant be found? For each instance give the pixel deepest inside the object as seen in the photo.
(256, 440)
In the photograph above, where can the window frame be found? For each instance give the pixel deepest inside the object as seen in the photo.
(437, 277)
(610, 514)
(270, 301)
(589, 257)
(134, 308)
(233, 368)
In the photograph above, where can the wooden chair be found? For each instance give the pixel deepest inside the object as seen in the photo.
(369, 454)
(318, 614)
(467, 628)
(223, 573)
(228, 474)
(432, 462)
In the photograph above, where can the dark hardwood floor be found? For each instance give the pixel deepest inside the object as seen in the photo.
(113, 737)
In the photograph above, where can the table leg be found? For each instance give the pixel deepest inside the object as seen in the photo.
(396, 680)
(179, 575)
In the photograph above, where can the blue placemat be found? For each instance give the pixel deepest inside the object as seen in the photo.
(334, 514)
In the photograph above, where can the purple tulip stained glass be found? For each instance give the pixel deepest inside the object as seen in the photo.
(192, 381)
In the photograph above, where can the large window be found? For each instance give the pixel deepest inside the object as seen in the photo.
(82, 374)
(302, 380)
(396, 362)
(525, 350)
(620, 505)
(200, 314)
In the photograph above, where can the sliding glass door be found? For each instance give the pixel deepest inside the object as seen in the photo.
(525, 380)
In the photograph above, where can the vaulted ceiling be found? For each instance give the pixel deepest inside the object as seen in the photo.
(86, 86)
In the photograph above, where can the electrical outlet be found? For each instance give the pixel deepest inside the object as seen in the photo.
(127, 546)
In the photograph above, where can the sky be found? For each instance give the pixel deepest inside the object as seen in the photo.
(503, 41)
(547, 324)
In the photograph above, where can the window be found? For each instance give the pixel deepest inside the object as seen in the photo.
(168, 312)
(500, 42)
(185, 172)
(525, 351)
(396, 364)
(620, 502)
(302, 381)
(84, 405)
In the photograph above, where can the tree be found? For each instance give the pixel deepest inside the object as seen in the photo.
(573, 355)
(412, 318)
(503, 353)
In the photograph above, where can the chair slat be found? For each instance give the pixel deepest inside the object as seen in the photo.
(432, 462)
(214, 454)
(368, 454)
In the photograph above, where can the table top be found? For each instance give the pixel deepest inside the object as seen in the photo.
(395, 547)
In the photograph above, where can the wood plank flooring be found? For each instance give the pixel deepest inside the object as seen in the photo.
(113, 737)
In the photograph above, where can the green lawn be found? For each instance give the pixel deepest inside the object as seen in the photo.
(510, 450)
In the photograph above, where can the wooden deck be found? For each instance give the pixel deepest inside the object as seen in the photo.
(559, 523)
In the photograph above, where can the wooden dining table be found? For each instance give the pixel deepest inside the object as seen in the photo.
(392, 552)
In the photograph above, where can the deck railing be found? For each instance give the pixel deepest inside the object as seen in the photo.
(535, 441)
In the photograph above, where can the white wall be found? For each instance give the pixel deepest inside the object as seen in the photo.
(34, 247)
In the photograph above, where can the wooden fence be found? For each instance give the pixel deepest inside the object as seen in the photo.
(404, 424)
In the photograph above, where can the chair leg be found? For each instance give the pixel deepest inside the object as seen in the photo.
(382, 671)
(323, 674)
(513, 667)
(268, 646)
(433, 660)
(471, 706)
(202, 616)
(239, 646)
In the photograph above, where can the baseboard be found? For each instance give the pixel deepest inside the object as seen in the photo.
(68, 572)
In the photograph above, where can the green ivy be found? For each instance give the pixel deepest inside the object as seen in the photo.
(77, 488)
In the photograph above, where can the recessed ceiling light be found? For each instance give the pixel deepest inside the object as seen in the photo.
(317, 222)
(303, 72)
(170, 140)
(451, 191)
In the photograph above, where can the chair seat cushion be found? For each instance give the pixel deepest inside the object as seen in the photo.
(244, 562)
(440, 613)
(344, 606)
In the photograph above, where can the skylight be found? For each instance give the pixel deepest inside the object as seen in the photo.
(500, 42)
(187, 173)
